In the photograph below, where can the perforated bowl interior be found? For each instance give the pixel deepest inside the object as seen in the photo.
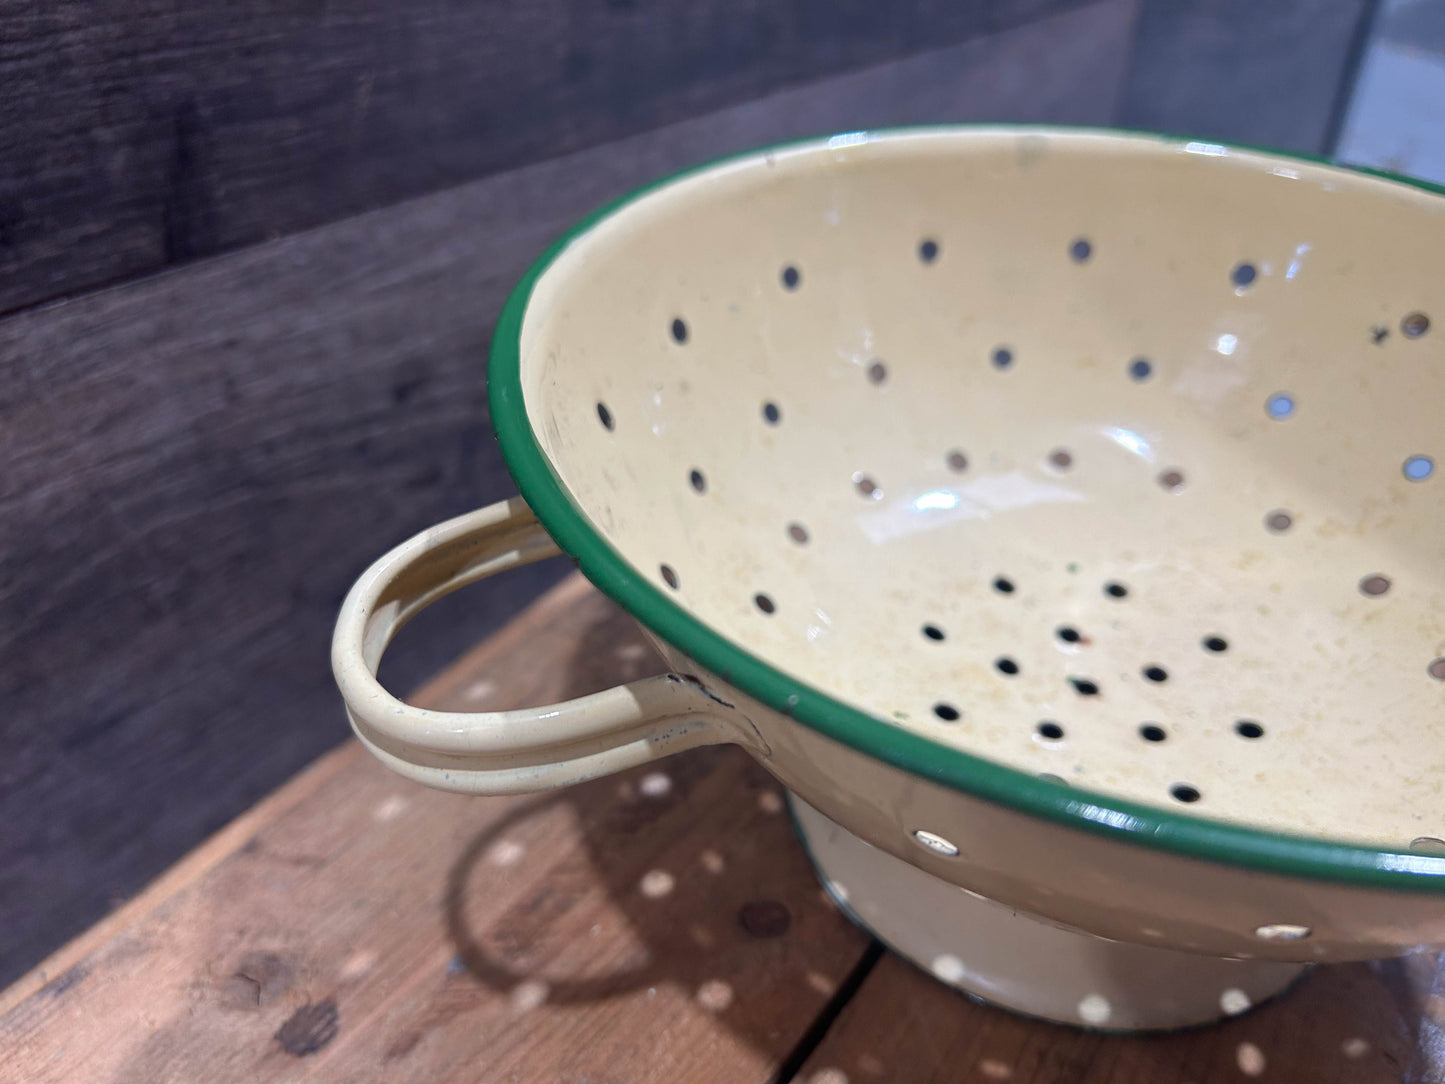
(1111, 459)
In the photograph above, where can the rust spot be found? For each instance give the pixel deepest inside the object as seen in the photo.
(765, 918)
(309, 1028)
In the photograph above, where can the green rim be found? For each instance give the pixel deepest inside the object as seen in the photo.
(1145, 825)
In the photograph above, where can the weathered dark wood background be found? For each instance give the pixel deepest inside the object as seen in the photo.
(250, 256)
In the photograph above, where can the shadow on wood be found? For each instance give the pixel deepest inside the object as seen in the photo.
(659, 925)
(668, 904)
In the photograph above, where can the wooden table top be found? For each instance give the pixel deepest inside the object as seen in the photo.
(661, 925)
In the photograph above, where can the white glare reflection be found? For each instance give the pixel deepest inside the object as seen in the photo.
(939, 498)
(1111, 817)
(1131, 441)
(817, 632)
(847, 139)
(985, 496)
(1411, 863)
(1294, 264)
(1225, 344)
(1214, 150)
(1285, 171)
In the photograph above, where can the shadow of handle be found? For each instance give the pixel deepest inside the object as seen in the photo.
(505, 752)
(490, 966)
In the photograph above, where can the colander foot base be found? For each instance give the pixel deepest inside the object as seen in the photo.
(1018, 962)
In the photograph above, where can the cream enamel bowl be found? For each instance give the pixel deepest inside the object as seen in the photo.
(1058, 514)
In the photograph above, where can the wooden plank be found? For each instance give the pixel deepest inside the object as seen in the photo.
(1272, 74)
(198, 465)
(182, 875)
(658, 926)
(140, 137)
(1344, 1024)
(538, 627)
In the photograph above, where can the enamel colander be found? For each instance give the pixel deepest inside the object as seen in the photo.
(1057, 513)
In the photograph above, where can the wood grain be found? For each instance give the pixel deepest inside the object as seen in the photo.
(542, 626)
(661, 925)
(1342, 1024)
(363, 928)
(198, 465)
(138, 137)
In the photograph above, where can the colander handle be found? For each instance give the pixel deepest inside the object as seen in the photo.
(504, 752)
